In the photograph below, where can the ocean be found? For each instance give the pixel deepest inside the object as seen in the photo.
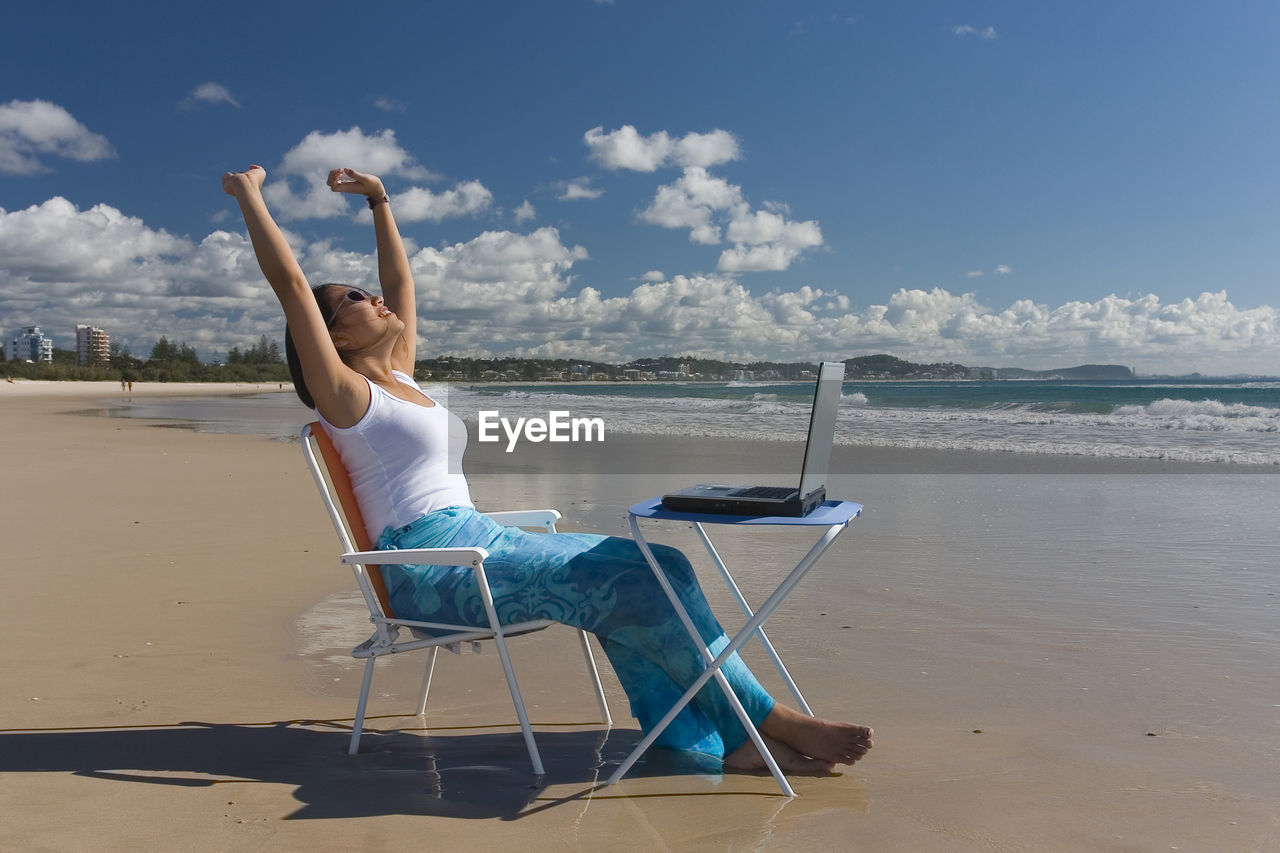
(1215, 421)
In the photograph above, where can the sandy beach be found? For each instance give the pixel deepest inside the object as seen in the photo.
(1056, 654)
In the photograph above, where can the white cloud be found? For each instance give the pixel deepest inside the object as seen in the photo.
(32, 129)
(579, 188)
(965, 30)
(298, 189)
(1207, 334)
(693, 202)
(1000, 269)
(767, 241)
(706, 149)
(791, 308)
(417, 203)
(307, 164)
(709, 207)
(208, 94)
(378, 153)
(315, 201)
(56, 244)
(389, 105)
(518, 266)
(66, 266)
(626, 148)
(766, 257)
(525, 212)
(508, 293)
(539, 315)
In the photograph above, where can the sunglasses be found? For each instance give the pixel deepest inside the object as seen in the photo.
(354, 294)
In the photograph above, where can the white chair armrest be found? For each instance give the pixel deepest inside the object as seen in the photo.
(470, 557)
(525, 517)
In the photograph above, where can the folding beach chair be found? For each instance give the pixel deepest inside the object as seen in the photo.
(335, 490)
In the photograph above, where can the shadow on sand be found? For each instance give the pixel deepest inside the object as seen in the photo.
(449, 772)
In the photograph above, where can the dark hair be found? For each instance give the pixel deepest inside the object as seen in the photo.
(291, 352)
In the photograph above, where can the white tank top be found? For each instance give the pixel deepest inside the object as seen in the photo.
(404, 460)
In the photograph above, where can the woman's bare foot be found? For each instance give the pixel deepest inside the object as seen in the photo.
(747, 759)
(833, 742)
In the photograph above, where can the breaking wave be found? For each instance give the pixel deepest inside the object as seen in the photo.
(1172, 429)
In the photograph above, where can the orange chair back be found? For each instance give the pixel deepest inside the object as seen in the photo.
(347, 500)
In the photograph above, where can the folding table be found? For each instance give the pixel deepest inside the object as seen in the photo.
(830, 516)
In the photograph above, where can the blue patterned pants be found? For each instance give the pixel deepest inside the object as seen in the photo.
(600, 584)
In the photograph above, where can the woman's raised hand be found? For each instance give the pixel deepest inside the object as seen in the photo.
(350, 181)
(234, 183)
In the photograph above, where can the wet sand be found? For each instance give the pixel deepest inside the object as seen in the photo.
(1071, 660)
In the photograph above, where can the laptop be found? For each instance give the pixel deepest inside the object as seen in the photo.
(779, 500)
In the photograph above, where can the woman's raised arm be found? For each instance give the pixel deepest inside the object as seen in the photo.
(339, 393)
(394, 275)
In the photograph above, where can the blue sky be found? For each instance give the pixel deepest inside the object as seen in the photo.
(1001, 183)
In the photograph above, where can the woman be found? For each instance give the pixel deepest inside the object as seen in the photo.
(351, 354)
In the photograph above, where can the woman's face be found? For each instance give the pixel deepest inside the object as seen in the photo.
(358, 318)
(341, 299)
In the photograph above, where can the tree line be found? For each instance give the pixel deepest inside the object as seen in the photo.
(168, 362)
(262, 362)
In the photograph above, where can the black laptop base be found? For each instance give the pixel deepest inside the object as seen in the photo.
(730, 505)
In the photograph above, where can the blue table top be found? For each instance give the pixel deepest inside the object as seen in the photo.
(824, 515)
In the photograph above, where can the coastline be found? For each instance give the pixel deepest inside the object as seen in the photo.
(45, 388)
(175, 644)
(723, 457)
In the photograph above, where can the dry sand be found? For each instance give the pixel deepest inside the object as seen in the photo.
(174, 637)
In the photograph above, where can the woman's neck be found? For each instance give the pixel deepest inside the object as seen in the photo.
(372, 366)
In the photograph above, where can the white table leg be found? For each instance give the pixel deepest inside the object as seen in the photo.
(714, 664)
(746, 609)
(713, 670)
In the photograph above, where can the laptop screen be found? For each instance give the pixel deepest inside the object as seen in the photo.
(822, 427)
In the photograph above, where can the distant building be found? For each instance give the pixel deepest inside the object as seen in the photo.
(30, 345)
(92, 346)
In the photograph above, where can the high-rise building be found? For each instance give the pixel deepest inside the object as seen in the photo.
(30, 345)
(92, 345)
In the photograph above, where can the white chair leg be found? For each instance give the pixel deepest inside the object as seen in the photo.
(426, 681)
(516, 699)
(595, 678)
(357, 725)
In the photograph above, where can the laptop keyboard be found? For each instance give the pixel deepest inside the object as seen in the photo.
(772, 492)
